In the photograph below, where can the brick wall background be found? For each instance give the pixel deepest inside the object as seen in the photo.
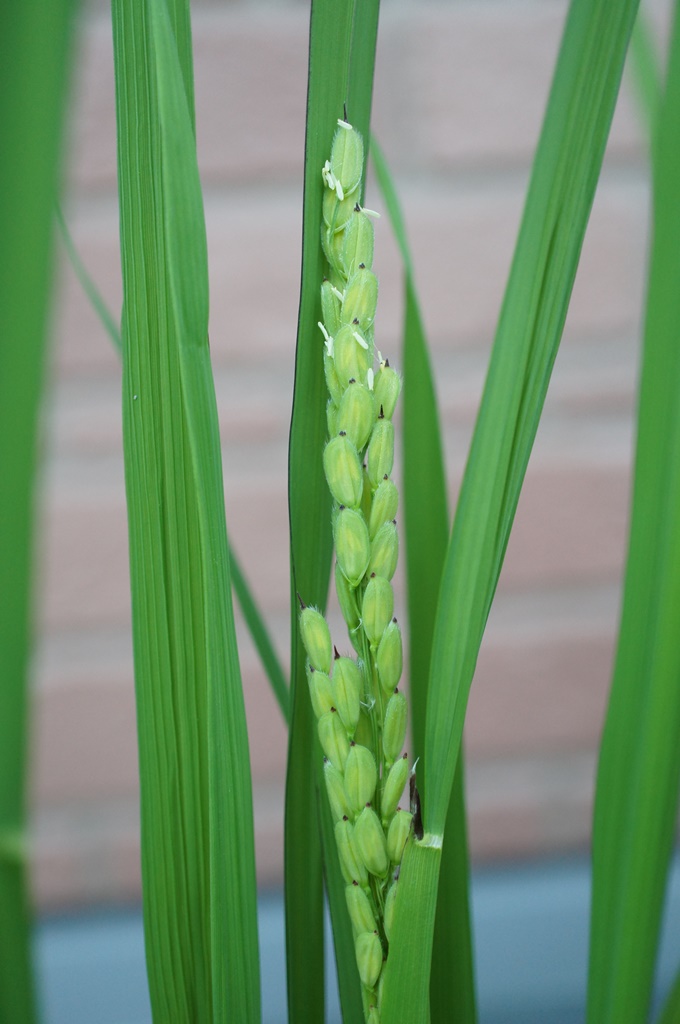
(459, 95)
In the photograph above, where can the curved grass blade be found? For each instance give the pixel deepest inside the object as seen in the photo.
(639, 769)
(87, 284)
(34, 63)
(197, 829)
(341, 59)
(558, 204)
(452, 990)
(260, 635)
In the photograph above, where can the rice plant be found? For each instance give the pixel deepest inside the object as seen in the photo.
(396, 880)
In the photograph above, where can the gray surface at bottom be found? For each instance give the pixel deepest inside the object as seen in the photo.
(531, 930)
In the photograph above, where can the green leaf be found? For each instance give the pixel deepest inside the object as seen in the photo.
(406, 996)
(197, 828)
(341, 58)
(558, 204)
(561, 190)
(34, 63)
(639, 769)
(452, 993)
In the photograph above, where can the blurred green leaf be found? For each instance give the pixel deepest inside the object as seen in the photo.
(34, 63)
(639, 770)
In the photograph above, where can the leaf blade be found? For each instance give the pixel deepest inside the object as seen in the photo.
(639, 770)
(197, 829)
(452, 986)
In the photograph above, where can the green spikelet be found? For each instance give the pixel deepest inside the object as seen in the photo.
(333, 739)
(389, 659)
(346, 164)
(330, 309)
(364, 731)
(352, 355)
(335, 787)
(394, 787)
(377, 608)
(394, 727)
(343, 471)
(351, 864)
(386, 390)
(316, 638)
(355, 414)
(361, 300)
(320, 691)
(352, 545)
(369, 957)
(347, 600)
(360, 910)
(358, 242)
(384, 552)
(380, 451)
(361, 776)
(389, 909)
(371, 842)
(337, 212)
(347, 687)
(384, 506)
(397, 834)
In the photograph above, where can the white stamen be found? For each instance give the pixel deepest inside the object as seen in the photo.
(344, 124)
(370, 213)
(339, 190)
(369, 378)
(361, 341)
(329, 341)
(338, 295)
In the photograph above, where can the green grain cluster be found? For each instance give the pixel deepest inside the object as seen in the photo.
(361, 715)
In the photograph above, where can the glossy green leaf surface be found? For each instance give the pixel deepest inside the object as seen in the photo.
(197, 828)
